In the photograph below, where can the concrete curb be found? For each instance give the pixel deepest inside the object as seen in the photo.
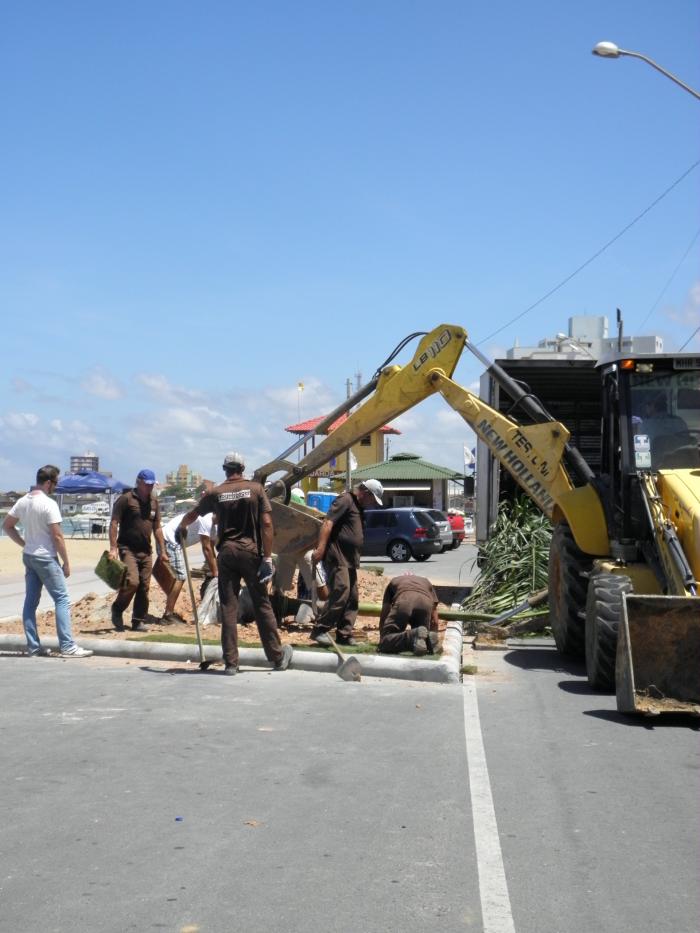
(445, 671)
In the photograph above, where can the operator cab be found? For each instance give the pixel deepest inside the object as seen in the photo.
(658, 402)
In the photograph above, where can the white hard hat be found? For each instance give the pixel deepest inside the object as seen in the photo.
(375, 487)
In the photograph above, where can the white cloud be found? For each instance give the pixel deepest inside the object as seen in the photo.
(161, 389)
(201, 420)
(19, 420)
(97, 382)
(450, 419)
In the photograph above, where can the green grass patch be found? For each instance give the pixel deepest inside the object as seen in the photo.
(362, 648)
(469, 669)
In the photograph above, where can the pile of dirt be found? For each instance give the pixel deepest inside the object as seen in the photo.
(91, 616)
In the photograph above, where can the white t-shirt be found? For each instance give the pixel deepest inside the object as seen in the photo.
(201, 526)
(36, 511)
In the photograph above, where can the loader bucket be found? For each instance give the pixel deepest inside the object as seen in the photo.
(296, 526)
(657, 667)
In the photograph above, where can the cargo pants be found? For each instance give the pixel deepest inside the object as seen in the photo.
(237, 562)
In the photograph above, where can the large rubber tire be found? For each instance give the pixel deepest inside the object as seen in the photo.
(398, 551)
(603, 614)
(568, 571)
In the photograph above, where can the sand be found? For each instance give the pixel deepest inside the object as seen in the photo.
(91, 614)
(82, 553)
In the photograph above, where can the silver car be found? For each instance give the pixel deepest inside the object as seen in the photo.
(443, 523)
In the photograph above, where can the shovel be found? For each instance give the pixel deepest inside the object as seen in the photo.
(349, 667)
(204, 665)
(529, 603)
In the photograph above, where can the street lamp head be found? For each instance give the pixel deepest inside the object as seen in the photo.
(606, 50)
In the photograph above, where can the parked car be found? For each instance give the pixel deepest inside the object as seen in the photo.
(443, 524)
(456, 520)
(401, 534)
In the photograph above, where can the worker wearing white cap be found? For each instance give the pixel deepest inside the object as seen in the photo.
(339, 546)
(245, 532)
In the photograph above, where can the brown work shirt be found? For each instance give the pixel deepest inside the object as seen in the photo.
(410, 584)
(238, 505)
(345, 541)
(137, 521)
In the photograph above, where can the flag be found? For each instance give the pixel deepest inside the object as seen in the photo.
(469, 459)
(351, 460)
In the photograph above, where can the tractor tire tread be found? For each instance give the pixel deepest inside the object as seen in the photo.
(603, 614)
(568, 570)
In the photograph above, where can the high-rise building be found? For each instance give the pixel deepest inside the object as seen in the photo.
(184, 477)
(85, 463)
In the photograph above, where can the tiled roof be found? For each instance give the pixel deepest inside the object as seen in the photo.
(405, 467)
(305, 426)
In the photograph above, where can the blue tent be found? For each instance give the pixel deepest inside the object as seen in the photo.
(89, 482)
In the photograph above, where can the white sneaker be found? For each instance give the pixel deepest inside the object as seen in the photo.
(40, 653)
(75, 651)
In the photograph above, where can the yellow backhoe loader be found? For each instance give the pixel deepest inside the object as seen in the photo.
(625, 555)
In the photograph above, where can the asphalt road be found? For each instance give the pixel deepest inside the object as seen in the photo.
(138, 799)
(80, 582)
(454, 568)
(519, 802)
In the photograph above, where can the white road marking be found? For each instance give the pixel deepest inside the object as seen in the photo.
(493, 888)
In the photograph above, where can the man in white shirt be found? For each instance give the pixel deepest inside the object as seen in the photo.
(201, 531)
(43, 544)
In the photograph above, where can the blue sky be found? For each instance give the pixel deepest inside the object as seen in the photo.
(205, 204)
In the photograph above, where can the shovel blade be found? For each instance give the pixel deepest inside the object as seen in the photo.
(349, 670)
(657, 667)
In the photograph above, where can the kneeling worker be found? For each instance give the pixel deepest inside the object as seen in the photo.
(409, 616)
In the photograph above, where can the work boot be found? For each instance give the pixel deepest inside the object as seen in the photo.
(420, 640)
(117, 619)
(320, 636)
(433, 642)
(171, 618)
(283, 662)
(345, 640)
(137, 625)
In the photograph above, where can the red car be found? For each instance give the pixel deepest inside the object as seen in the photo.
(457, 524)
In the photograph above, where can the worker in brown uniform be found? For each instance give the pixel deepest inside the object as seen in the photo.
(244, 541)
(339, 545)
(135, 518)
(409, 617)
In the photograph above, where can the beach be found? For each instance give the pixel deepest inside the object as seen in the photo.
(82, 553)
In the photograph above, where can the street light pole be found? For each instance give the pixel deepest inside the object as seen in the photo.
(610, 50)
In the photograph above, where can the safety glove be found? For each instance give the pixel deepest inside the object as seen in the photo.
(266, 570)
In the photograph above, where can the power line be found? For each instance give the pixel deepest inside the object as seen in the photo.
(690, 338)
(594, 256)
(671, 278)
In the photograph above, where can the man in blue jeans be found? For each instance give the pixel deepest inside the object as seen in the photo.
(43, 544)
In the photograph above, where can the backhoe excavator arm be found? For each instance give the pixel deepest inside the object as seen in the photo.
(538, 456)
(534, 455)
(394, 391)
